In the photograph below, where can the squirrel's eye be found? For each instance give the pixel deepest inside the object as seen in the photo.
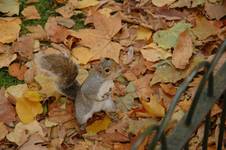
(107, 70)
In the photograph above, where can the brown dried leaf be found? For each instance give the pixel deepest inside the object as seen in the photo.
(9, 29)
(37, 32)
(99, 39)
(61, 113)
(55, 32)
(215, 11)
(169, 89)
(30, 12)
(183, 51)
(7, 113)
(35, 143)
(17, 70)
(24, 46)
(6, 59)
(143, 88)
(204, 28)
(3, 131)
(154, 53)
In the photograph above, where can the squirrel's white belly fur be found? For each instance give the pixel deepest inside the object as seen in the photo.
(105, 105)
(104, 89)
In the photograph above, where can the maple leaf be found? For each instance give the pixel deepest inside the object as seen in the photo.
(154, 53)
(99, 40)
(168, 38)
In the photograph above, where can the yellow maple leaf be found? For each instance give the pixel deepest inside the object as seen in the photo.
(82, 54)
(143, 33)
(153, 107)
(33, 96)
(99, 125)
(99, 40)
(27, 110)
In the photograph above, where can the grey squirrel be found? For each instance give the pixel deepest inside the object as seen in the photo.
(93, 95)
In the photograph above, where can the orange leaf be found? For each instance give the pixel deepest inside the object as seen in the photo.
(18, 71)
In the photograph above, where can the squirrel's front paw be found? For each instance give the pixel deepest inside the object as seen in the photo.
(109, 106)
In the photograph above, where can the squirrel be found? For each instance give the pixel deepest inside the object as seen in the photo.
(93, 95)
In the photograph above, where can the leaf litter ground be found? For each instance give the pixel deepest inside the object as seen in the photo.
(157, 43)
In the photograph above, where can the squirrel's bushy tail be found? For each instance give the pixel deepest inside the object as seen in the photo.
(63, 68)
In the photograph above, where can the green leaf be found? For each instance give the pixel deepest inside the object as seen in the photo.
(168, 38)
(6, 80)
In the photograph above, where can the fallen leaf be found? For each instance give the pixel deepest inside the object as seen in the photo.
(82, 54)
(139, 125)
(3, 131)
(30, 12)
(106, 11)
(66, 22)
(125, 103)
(37, 32)
(154, 53)
(9, 29)
(6, 59)
(61, 111)
(22, 131)
(87, 3)
(47, 84)
(168, 38)
(9, 7)
(98, 125)
(35, 142)
(24, 46)
(17, 91)
(215, 110)
(215, 11)
(185, 105)
(17, 70)
(183, 51)
(143, 88)
(99, 39)
(161, 3)
(82, 75)
(167, 74)
(66, 11)
(204, 28)
(50, 124)
(27, 110)
(169, 89)
(143, 33)
(7, 111)
(33, 96)
(153, 107)
(55, 32)
(187, 3)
